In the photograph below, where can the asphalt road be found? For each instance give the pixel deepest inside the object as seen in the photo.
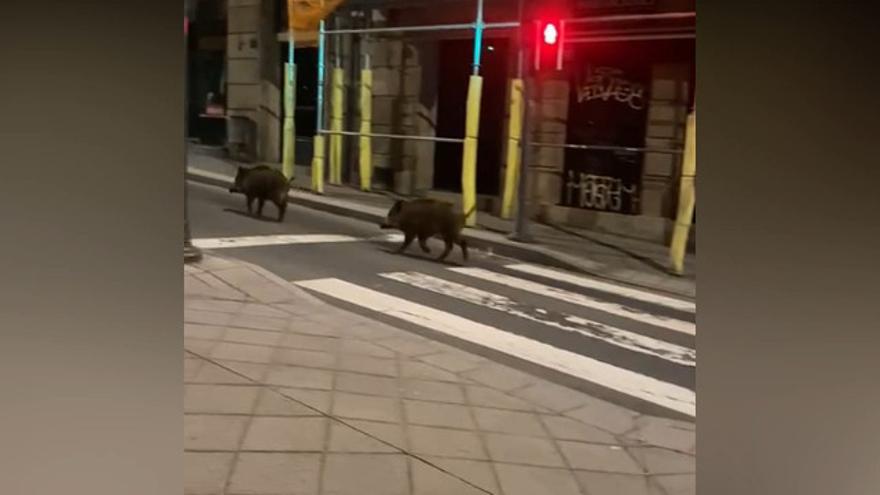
(631, 342)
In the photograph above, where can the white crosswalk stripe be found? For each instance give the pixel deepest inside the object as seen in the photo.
(579, 299)
(592, 329)
(592, 370)
(283, 239)
(591, 283)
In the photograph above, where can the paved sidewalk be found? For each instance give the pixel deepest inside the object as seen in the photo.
(629, 261)
(288, 395)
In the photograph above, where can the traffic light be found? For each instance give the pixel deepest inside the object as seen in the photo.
(548, 36)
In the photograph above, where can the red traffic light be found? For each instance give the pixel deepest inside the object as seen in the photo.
(550, 33)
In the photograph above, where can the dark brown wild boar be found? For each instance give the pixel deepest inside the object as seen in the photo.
(426, 218)
(262, 183)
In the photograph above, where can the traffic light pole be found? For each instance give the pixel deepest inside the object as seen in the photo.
(521, 224)
(190, 252)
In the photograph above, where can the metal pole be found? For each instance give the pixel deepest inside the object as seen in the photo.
(478, 37)
(321, 49)
(428, 27)
(521, 226)
(190, 252)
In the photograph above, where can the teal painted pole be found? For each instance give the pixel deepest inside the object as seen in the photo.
(478, 37)
(320, 106)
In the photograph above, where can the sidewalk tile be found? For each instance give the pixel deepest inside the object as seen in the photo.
(367, 384)
(605, 458)
(200, 347)
(271, 403)
(344, 438)
(501, 377)
(523, 450)
(438, 414)
(316, 399)
(454, 362)
(210, 432)
(220, 399)
(422, 371)
(552, 396)
(563, 428)
(257, 309)
(255, 322)
(206, 317)
(662, 432)
(409, 346)
(444, 442)
(205, 473)
(480, 473)
(607, 416)
(191, 368)
(511, 422)
(253, 371)
(369, 365)
(310, 342)
(295, 377)
(613, 484)
(267, 433)
(392, 433)
(366, 407)
(428, 480)
(302, 326)
(662, 461)
(212, 374)
(256, 337)
(365, 348)
(276, 474)
(678, 484)
(360, 474)
(215, 305)
(479, 395)
(524, 480)
(203, 332)
(242, 352)
(308, 359)
(432, 391)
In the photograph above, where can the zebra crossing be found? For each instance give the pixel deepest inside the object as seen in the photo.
(629, 341)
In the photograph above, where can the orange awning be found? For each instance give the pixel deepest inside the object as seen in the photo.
(304, 15)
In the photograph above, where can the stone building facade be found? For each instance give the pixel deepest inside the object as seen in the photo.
(417, 80)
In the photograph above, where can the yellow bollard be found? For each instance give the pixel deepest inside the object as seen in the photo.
(336, 119)
(687, 197)
(288, 156)
(366, 150)
(514, 137)
(469, 155)
(318, 166)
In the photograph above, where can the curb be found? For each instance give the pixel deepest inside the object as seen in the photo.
(476, 238)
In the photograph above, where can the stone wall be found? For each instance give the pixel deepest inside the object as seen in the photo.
(253, 75)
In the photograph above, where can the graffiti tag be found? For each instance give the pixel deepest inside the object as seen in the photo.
(606, 83)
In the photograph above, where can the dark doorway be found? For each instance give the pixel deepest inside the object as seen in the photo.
(455, 65)
(305, 115)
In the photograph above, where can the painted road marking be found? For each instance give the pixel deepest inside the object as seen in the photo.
(591, 283)
(579, 299)
(270, 240)
(591, 329)
(603, 374)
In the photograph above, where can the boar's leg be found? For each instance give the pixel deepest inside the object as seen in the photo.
(282, 208)
(463, 244)
(260, 203)
(407, 240)
(446, 250)
(250, 204)
(423, 243)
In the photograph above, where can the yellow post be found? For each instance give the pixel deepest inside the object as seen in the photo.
(687, 197)
(365, 156)
(289, 134)
(336, 116)
(318, 165)
(469, 155)
(514, 137)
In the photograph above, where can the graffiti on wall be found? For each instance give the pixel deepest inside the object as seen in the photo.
(608, 102)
